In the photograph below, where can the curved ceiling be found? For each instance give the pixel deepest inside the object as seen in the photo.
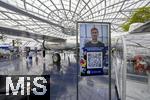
(58, 17)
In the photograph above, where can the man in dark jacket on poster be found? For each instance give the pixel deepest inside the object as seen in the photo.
(94, 42)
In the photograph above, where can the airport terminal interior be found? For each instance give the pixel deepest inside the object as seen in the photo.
(39, 37)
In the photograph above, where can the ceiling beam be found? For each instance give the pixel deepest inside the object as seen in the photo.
(15, 9)
(20, 33)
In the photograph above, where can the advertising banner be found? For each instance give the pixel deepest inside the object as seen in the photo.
(94, 48)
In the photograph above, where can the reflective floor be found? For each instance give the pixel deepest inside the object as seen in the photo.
(64, 82)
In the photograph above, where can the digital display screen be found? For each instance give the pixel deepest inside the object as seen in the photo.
(94, 48)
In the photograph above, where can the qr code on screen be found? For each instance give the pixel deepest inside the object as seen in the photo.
(94, 60)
